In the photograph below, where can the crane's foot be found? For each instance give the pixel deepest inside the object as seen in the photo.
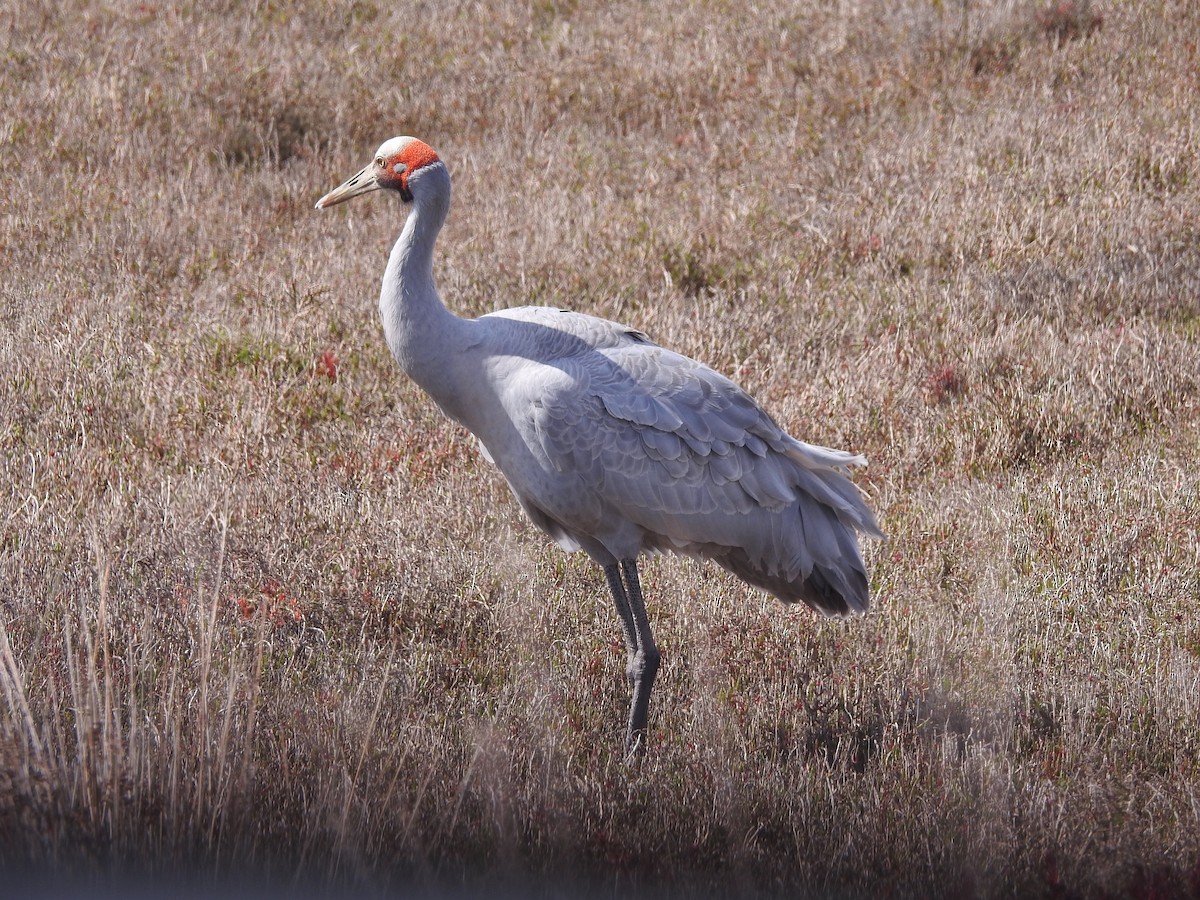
(635, 747)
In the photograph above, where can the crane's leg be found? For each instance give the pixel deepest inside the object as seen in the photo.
(621, 601)
(642, 663)
(645, 662)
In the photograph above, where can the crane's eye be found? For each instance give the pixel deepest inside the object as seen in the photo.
(379, 161)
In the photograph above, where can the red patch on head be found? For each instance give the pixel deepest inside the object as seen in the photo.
(413, 157)
(416, 155)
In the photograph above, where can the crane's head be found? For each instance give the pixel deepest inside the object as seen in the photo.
(395, 164)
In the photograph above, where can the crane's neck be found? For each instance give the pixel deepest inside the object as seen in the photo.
(419, 329)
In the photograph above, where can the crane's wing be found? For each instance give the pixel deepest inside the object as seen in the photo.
(691, 458)
(652, 428)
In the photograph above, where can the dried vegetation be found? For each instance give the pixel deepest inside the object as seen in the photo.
(264, 612)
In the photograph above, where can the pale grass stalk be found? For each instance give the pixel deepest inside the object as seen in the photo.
(464, 785)
(246, 757)
(100, 677)
(83, 776)
(207, 621)
(224, 780)
(173, 719)
(14, 694)
(352, 786)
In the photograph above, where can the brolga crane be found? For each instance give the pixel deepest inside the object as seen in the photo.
(613, 444)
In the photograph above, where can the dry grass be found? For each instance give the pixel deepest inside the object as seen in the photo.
(266, 614)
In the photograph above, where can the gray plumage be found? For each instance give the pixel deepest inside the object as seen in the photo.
(614, 445)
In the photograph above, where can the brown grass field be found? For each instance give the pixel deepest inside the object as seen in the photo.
(266, 615)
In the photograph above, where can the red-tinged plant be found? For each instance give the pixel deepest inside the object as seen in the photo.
(327, 365)
(943, 383)
(278, 605)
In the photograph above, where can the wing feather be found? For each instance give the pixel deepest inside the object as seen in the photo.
(662, 435)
